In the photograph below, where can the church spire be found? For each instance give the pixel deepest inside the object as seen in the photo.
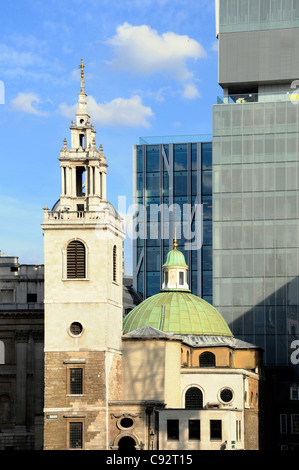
(83, 166)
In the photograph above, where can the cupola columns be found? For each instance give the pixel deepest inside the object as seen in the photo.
(175, 270)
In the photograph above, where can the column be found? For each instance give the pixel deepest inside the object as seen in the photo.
(21, 379)
(63, 169)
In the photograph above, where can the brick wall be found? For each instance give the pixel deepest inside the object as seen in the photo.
(90, 408)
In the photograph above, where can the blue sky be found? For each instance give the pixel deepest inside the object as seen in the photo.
(151, 70)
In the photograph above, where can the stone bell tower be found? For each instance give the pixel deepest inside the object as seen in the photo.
(83, 247)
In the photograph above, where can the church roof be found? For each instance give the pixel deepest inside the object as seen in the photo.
(197, 341)
(178, 312)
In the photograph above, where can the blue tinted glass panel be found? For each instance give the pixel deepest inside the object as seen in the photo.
(206, 187)
(194, 156)
(206, 156)
(152, 184)
(207, 258)
(153, 234)
(152, 158)
(193, 285)
(180, 183)
(207, 207)
(165, 184)
(153, 259)
(139, 159)
(180, 157)
(207, 284)
(152, 283)
(207, 233)
(139, 188)
(194, 183)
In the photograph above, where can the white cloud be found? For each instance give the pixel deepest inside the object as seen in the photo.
(129, 112)
(191, 92)
(142, 50)
(26, 102)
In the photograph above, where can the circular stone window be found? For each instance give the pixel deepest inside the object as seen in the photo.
(126, 423)
(76, 329)
(226, 395)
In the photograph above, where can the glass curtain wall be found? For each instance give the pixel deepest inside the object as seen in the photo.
(252, 15)
(174, 176)
(256, 223)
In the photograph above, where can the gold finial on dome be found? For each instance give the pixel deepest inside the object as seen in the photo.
(175, 242)
(82, 67)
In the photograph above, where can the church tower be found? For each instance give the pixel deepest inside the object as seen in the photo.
(83, 247)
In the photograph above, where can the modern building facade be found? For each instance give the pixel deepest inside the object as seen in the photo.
(256, 181)
(172, 190)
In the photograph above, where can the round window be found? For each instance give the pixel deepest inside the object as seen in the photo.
(226, 395)
(76, 329)
(126, 423)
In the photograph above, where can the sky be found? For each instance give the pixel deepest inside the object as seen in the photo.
(151, 69)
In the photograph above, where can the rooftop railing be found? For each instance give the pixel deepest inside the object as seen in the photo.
(243, 98)
(175, 139)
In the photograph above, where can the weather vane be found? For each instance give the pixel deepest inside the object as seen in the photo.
(82, 67)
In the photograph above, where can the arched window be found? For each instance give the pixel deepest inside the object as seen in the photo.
(193, 399)
(207, 359)
(76, 260)
(114, 264)
(2, 353)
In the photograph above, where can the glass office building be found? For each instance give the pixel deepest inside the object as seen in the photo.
(173, 194)
(256, 174)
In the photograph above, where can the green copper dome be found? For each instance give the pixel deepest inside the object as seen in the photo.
(176, 259)
(177, 312)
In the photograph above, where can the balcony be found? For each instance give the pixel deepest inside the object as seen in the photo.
(104, 216)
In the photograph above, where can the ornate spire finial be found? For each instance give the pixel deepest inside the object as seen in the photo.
(82, 67)
(175, 244)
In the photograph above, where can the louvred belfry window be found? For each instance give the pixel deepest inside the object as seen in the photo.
(75, 260)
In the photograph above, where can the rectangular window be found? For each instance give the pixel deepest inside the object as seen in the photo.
(31, 298)
(76, 435)
(76, 381)
(194, 429)
(283, 424)
(181, 278)
(215, 429)
(6, 296)
(295, 424)
(238, 430)
(173, 429)
(296, 9)
(294, 392)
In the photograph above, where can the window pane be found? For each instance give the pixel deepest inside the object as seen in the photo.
(265, 11)
(215, 429)
(296, 9)
(194, 429)
(243, 11)
(76, 435)
(193, 399)
(232, 11)
(152, 158)
(76, 376)
(295, 424)
(206, 156)
(180, 157)
(173, 429)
